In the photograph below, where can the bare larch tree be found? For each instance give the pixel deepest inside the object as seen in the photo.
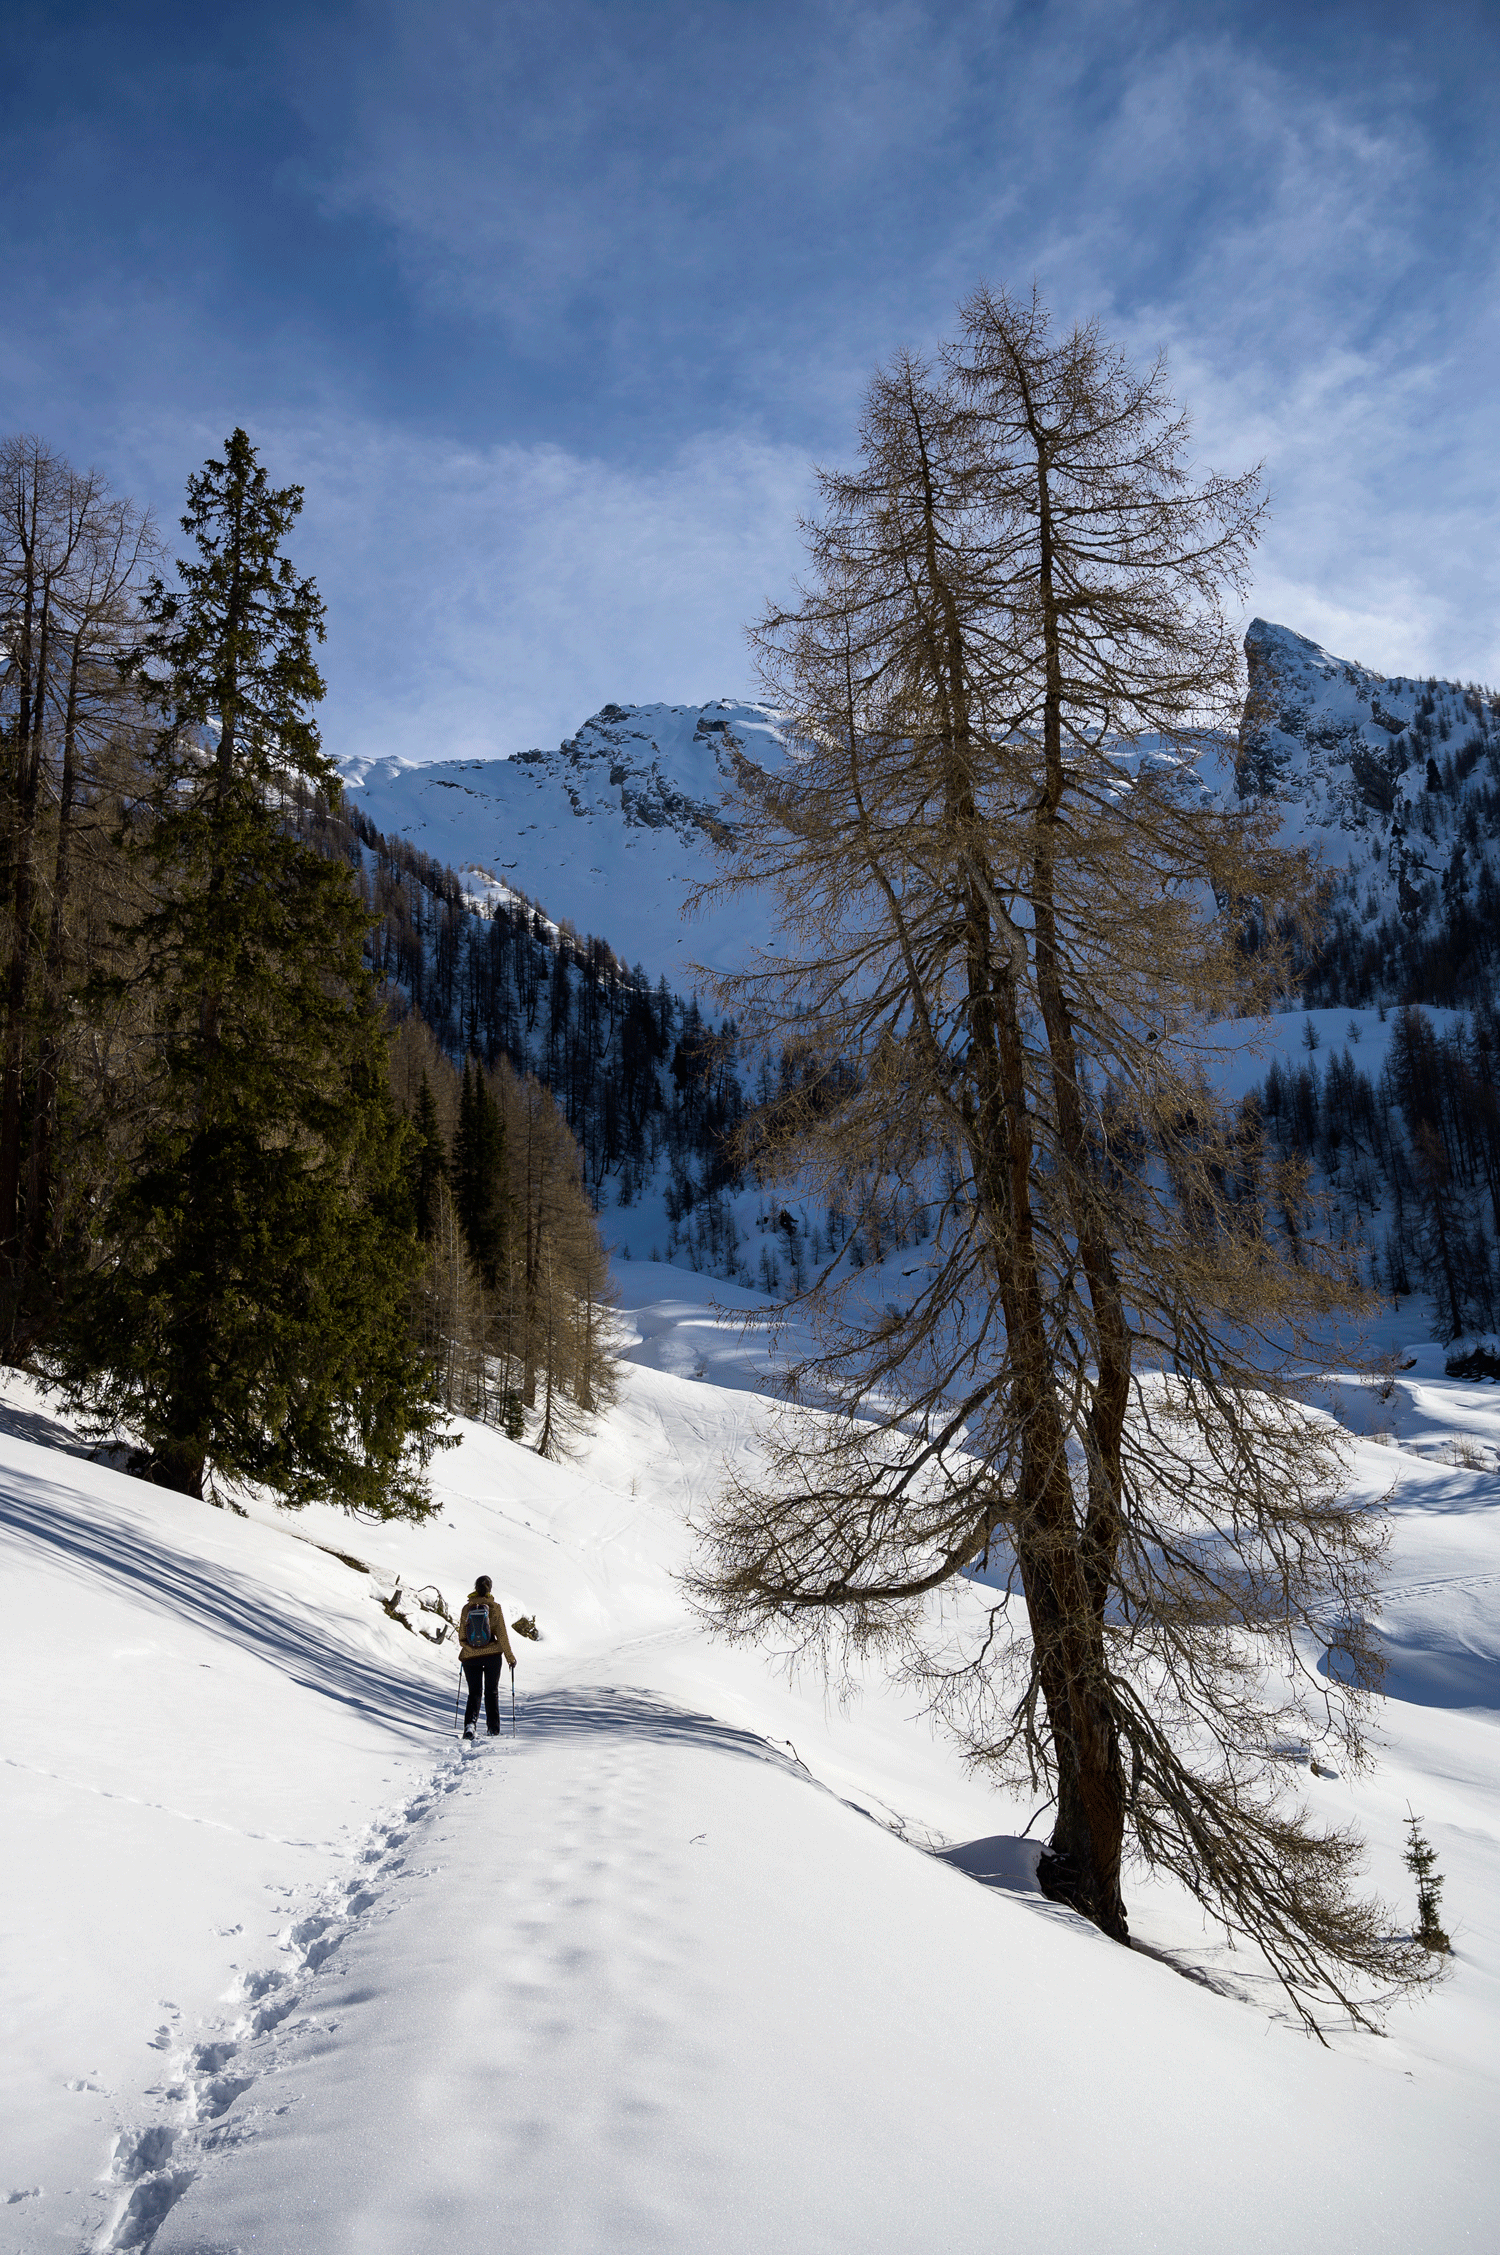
(1009, 912)
(72, 730)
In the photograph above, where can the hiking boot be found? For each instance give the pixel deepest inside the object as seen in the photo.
(468, 1730)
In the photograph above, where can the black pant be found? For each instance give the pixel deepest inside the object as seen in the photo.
(485, 1670)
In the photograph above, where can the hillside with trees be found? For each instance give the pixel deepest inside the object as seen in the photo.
(233, 1228)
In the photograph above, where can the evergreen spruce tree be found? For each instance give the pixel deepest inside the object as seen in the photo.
(429, 1162)
(1421, 1861)
(479, 1184)
(249, 1310)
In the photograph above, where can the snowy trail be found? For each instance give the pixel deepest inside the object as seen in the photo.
(641, 1993)
(287, 1972)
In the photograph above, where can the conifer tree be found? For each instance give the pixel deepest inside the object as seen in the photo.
(429, 1161)
(479, 1186)
(1008, 914)
(1421, 1861)
(250, 1307)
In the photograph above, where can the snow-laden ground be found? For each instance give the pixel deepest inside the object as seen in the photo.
(690, 1962)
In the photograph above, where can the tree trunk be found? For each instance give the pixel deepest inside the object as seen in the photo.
(1081, 1864)
(44, 1111)
(178, 1465)
(28, 784)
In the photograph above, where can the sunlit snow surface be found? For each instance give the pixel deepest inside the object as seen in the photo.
(681, 1965)
(611, 831)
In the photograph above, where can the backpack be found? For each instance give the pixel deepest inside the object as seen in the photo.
(477, 1623)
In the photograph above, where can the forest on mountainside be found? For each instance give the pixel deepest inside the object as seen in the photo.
(1418, 919)
(213, 1232)
(1408, 1162)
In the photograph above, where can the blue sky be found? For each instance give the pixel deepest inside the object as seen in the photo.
(550, 307)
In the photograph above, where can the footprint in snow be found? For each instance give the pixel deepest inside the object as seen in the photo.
(216, 2097)
(269, 2016)
(147, 2209)
(251, 1987)
(140, 2153)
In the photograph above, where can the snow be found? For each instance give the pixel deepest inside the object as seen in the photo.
(693, 1960)
(1347, 750)
(612, 831)
(1238, 1052)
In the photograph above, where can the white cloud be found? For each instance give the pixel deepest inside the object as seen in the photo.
(485, 600)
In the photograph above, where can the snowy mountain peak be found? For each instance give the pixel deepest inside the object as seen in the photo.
(610, 831)
(1318, 724)
(1394, 780)
(667, 763)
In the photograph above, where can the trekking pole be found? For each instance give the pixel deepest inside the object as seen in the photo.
(458, 1694)
(512, 1702)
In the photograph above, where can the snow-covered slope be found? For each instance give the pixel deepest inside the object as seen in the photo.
(611, 831)
(1394, 781)
(1397, 785)
(691, 1961)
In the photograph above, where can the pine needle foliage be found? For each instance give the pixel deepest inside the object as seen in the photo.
(429, 1161)
(1007, 909)
(249, 1308)
(479, 1176)
(532, 1335)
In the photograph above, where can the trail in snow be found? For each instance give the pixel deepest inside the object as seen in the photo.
(670, 1970)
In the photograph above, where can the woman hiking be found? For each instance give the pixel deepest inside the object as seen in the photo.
(483, 1642)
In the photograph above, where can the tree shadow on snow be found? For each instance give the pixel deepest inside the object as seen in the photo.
(592, 1710)
(1007, 1863)
(233, 1606)
(45, 1432)
(1435, 1662)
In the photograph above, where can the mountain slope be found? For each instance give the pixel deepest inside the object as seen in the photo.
(611, 831)
(1396, 783)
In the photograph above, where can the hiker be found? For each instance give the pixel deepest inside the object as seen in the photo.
(483, 1642)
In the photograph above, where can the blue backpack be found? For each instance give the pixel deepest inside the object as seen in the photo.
(477, 1623)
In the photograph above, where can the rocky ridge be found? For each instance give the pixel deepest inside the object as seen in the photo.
(1395, 781)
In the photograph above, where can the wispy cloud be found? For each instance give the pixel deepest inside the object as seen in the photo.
(486, 600)
(551, 309)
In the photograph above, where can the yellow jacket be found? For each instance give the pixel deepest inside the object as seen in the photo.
(499, 1635)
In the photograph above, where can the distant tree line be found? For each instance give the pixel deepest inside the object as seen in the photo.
(649, 1089)
(1411, 1157)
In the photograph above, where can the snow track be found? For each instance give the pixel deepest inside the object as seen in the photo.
(693, 1962)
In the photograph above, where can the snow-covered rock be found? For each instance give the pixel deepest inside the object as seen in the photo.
(1393, 780)
(610, 832)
